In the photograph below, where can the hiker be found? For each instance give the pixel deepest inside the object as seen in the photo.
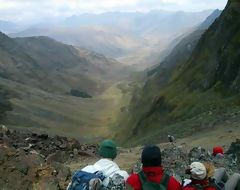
(171, 139)
(221, 177)
(201, 177)
(152, 175)
(233, 183)
(105, 169)
(230, 182)
(218, 151)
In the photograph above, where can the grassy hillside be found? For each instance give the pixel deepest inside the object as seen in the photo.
(38, 76)
(5, 105)
(85, 119)
(55, 67)
(193, 92)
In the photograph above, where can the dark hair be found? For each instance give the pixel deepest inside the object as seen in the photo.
(151, 156)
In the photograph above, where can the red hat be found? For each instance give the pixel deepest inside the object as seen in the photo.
(217, 150)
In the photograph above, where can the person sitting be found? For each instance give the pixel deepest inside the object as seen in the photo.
(201, 177)
(152, 175)
(230, 182)
(108, 168)
(218, 151)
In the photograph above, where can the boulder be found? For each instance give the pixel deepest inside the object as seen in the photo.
(59, 156)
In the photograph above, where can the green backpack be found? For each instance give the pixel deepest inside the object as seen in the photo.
(147, 185)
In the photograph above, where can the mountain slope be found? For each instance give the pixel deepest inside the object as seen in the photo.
(60, 89)
(104, 40)
(5, 105)
(201, 88)
(50, 65)
(122, 34)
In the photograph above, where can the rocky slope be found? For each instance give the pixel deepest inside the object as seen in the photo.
(38, 161)
(195, 87)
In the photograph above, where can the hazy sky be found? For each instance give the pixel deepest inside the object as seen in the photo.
(37, 10)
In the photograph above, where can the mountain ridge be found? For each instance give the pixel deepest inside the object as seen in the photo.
(43, 58)
(173, 102)
(121, 35)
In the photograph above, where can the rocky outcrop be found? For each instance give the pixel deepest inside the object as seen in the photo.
(36, 161)
(19, 170)
(234, 151)
(56, 148)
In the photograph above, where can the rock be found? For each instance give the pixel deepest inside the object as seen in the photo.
(73, 143)
(234, 152)
(18, 145)
(34, 135)
(46, 184)
(26, 148)
(34, 140)
(3, 129)
(22, 167)
(63, 172)
(59, 156)
(58, 143)
(85, 153)
(34, 152)
(55, 172)
(83, 148)
(75, 152)
(43, 136)
(63, 146)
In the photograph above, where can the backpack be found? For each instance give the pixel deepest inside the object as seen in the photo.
(86, 181)
(147, 185)
(116, 182)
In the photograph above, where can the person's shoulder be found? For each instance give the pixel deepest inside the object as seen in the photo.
(103, 162)
(173, 180)
(173, 184)
(132, 178)
(134, 181)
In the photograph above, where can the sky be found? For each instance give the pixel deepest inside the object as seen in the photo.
(39, 10)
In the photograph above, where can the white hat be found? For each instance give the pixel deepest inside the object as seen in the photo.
(198, 171)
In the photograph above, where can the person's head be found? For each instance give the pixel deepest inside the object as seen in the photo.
(217, 150)
(197, 171)
(108, 149)
(151, 156)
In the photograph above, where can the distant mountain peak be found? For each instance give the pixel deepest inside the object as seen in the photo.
(210, 19)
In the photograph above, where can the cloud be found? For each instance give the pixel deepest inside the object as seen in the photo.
(36, 10)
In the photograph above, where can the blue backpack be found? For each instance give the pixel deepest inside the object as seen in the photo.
(82, 180)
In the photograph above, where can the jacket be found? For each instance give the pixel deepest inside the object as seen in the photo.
(204, 183)
(153, 174)
(108, 168)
